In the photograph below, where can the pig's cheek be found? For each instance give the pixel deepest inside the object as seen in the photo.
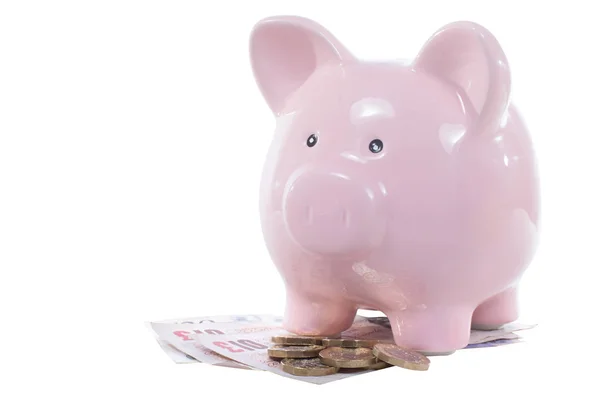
(273, 179)
(272, 182)
(277, 196)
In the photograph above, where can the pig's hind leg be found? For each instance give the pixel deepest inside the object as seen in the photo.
(496, 311)
(437, 330)
(317, 316)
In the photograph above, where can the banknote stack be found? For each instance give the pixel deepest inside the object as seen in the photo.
(259, 342)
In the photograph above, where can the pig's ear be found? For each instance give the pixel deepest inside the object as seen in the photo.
(285, 51)
(468, 56)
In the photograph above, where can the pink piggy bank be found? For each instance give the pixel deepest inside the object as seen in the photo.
(408, 187)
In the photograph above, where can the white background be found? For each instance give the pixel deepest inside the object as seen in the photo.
(132, 137)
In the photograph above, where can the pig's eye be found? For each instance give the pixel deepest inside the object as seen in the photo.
(312, 140)
(376, 146)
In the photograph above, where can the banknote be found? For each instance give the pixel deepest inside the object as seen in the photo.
(248, 344)
(171, 351)
(496, 343)
(181, 339)
(378, 328)
(240, 319)
(478, 336)
(174, 335)
(174, 354)
(177, 336)
(251, 349)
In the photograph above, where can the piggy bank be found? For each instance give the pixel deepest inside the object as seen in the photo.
(408, 187)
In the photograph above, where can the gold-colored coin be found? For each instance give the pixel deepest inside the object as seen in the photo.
(297, 339)
(284, 351)
(395, 355)
(307, 367)
(350, 343)
(379, 365)
(347, 358)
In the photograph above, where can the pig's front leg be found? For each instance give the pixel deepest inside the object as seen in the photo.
(318, 316)
(496, 311)
(433, 331)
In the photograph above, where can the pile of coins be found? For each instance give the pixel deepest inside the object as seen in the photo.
(319, 356)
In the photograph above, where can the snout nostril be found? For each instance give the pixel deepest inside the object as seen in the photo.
(309, 215)
(345, 218)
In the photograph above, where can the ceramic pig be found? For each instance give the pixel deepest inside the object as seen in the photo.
(408, 187)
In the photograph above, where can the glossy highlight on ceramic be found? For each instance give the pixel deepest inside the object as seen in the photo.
(408, 187)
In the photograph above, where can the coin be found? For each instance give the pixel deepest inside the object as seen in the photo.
(347, 358)
(379, 365)
(284, 351)
(350, 342)
(307, 367)
(297, 339)
(395, 355)
(382, 321)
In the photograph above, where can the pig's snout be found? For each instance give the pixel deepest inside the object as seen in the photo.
(329, 213)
